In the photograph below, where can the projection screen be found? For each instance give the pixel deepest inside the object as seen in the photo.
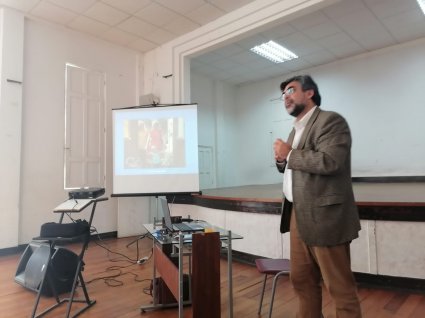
(155, 150)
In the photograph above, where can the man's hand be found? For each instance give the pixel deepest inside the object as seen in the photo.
(281, 150)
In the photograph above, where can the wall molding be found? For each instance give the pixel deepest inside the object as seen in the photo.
(248, 20)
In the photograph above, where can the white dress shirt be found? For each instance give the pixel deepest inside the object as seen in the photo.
(299, 126)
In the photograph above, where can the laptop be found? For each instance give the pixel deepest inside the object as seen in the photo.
(177, 227)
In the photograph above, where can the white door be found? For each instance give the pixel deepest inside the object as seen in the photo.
(206, 167)
(84, 128)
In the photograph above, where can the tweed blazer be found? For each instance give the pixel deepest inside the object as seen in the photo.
(323, 197)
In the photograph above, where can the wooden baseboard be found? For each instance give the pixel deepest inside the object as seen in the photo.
(416, 285)
(20, 248)
(406, 179)
(13, 250)
(104, 236)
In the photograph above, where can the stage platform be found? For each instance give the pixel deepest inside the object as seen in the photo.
(363, 192)
(376, 201)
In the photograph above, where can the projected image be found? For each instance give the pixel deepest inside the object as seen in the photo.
(154, 143)
(155, 149)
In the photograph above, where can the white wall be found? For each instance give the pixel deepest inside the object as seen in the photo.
(47, 48)
(216, 116)
(204, 92)
(11, 69)
(379, 93)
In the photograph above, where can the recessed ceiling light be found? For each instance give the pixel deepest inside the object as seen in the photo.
(274, 52)
(422, 5)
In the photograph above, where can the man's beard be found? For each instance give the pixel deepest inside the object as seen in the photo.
(297, 109)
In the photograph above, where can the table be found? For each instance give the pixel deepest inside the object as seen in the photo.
(203, 250)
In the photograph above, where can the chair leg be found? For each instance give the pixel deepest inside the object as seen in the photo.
(276, 277)
(262, 294)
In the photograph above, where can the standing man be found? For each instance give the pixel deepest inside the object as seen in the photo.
(318, 208)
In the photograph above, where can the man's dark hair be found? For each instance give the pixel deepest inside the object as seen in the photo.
(306, 83)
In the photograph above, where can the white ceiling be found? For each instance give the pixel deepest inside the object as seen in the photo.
(347, 28)
(139, 24)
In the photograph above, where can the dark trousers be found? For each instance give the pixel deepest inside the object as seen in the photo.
(311, 264)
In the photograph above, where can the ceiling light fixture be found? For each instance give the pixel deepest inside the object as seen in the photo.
(274, 52)
(422, 5)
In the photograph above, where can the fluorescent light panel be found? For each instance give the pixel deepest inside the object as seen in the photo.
(274, 52)
(422, 5)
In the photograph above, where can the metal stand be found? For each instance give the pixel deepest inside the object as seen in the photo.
(78, 277)
(144, 235)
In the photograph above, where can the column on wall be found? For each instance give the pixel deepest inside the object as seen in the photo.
(11, 70)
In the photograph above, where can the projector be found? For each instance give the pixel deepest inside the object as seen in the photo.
(86, 193)
(148, 99)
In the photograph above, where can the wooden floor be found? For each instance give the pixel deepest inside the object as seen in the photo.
(123, 295)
